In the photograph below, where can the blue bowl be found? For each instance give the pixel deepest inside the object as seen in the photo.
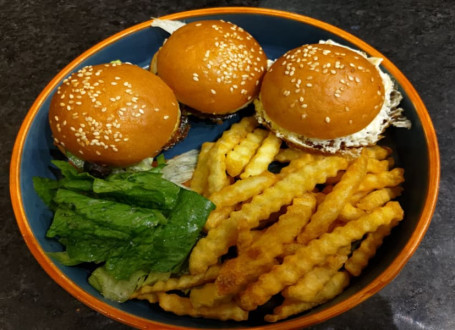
(416, 151)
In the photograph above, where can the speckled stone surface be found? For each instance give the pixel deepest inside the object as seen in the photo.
(38, 38)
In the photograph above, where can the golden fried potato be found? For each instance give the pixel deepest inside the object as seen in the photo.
(290, 307)
(249, 264)
(183, 282)
(207, 295)
(294, 266)
(378, 198)
(243, 190)
(182, 306)
(312, 282)
(217, 216)
(378, 152)
(199, 180)
(288, 154)
(238, 158)
(217, 177)
(263, 157)
(367, 249)
(349, 213)
(381, 180)
(217, 242)
(377, 166)
(334, 202)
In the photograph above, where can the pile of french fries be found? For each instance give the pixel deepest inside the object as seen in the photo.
(289, 233)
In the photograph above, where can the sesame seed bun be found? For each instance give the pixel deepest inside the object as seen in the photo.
(328, 97)
(213, 66)
(113, 114)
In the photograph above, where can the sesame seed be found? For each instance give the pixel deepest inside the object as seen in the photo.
(166, 117)
(309, 85)
(213, 91)
(327, 120)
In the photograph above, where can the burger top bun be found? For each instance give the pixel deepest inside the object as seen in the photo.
(213, 66)
(322, 91)
(113, 114)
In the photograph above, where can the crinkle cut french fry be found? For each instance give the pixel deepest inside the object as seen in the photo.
(294, 266)
(199, 180)
(298, 163)
(220, 239)
(243, 190)
(237, 272)
(183, 282)
(378, 198)
(207, 295)
(240, 191)
(214, 245)
(290, 248)
(290, 307)
(284, 191)
(238, 158)
(334, 202)
(312, 282)
(377, 166)
(263, 157)
(217, 216)
(378, 152)
(150, 297)
(288, 154)
(217, 177)
(350, 212)
(335, 179)
(381, 180)
(182, 306)
(367, 249)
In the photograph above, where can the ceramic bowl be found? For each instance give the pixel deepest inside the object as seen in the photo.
(416, 151)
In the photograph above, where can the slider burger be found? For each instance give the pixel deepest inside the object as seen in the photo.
(328, 97)
(214, 67)
(114, 115)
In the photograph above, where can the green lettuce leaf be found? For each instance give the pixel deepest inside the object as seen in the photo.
(113, 289)
(119, 216)
(145, 189)
(129, 222)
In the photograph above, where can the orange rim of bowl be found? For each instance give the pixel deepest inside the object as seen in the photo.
(306, 320)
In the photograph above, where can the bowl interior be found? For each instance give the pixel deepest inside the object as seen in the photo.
(276, 35)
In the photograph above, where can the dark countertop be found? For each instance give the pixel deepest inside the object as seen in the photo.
(38, 38)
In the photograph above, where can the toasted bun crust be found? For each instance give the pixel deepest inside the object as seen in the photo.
(113, 114)
(212, 66)
(322, 91)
